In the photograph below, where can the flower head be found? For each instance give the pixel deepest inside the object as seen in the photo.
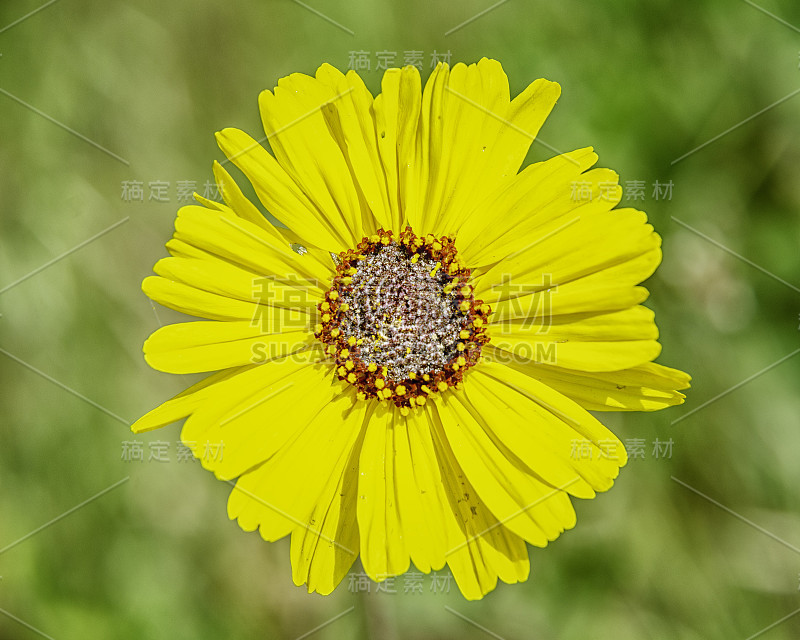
(403, 366)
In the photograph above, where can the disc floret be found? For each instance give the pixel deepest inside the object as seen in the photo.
(401, 320)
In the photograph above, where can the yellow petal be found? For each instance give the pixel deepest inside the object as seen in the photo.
(535, 511)
(560, 253)
(383, 548)
(194, 347)
(280, 494)
(485, 137)
(587, 341)
(396, 120)
(421, 502)
(607, 452)
(648, 387)
(295, 118)
(237, 201)
(634, 323)
(228, 280)
(521, 204)
(480, 549)
(281, 196)
(323, 550)
(321, 256)
(543, 430)
(578, 297)
(232, 238)
(352, 125)
(183, 404)
(253, 418)
(581, 356)
(195, 302)
(421, 160)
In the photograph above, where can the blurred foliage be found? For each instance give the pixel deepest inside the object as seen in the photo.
(644, 83)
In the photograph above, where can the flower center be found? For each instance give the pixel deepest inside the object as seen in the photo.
(400, 319)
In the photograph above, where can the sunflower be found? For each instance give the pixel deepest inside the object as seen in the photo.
(403, 369)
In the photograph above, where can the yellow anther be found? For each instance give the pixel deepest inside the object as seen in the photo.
(344, 353)
(421, 400)
(437, 245)
(449, 287)
(429, 239)
(384, 370)
(460, 346)
(333, 295)
(436, 268)
(351, 378)
(331, 349)
(463, 334)
(442, 386)
(361, 395)
(452, 269)
(415, 258)
(455, 367)
(425, 389)
(466, 290)
(351, 340)
(351, 271)
(350, 365)
(404, 411)
(412, 375)
(317, 328)
(335, 333)
(347, 280)
(342, 371)
(326, 317)
(400, 390)
(344, 306)
(464, 306)
(461, 361)
(360, 341)
(387, 392)
(325, 306)
(486, 309)
(374, 239)
(379, 383)
(372, 367)
(425, 377)
(477, 322)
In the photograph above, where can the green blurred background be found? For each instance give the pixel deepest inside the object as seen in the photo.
(150, 82)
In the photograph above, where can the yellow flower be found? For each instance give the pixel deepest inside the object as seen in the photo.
(405, 371)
